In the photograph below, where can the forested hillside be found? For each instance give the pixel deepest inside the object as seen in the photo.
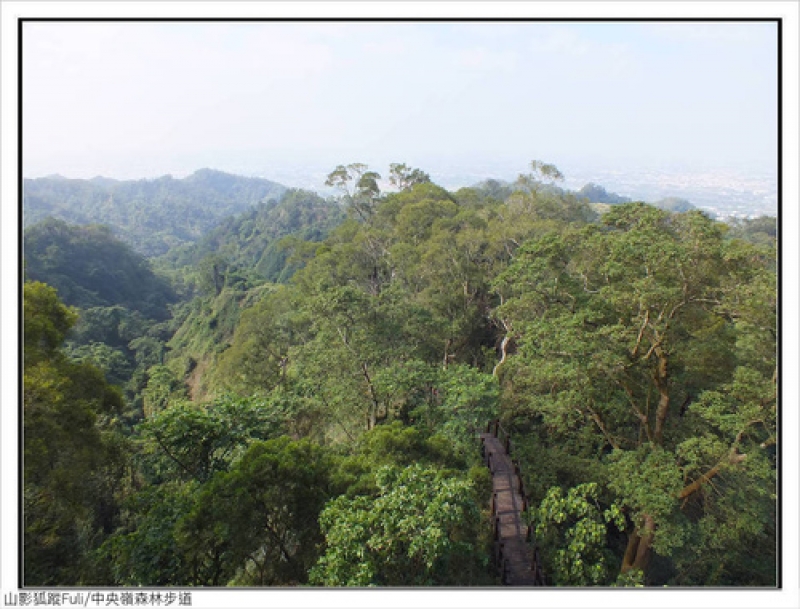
(90, 267)
(124, 306)
(152, 216)
(302, 406)
(261, 240)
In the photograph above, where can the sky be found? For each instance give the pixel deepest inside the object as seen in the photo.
(143, 99)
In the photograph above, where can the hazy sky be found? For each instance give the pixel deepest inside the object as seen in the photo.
(134, 99)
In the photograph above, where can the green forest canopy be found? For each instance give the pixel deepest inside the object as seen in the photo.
(291, 422)
(152, 216)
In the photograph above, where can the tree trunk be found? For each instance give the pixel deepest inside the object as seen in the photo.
(661, 381)
(503, 353)
(639, 549)
(372, 416)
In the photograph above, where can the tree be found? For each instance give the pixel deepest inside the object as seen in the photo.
(258, 243)
(540, 173)
(762, 230)
(359, 186)
(189, 441)
(422, 528)
(261, 517)
(631, 338)
(162, 388)
(571, 532)
(146, 549)
(536, 196)
(224, 501)
(404, 177)
(46, 322)
(348, 343)
(212, 276)
(454, 402)
(111, 361)
(73, 457)
(258, 357)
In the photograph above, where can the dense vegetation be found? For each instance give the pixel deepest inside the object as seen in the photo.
(91, 268)
(260, 241)
(301, 406)
(152, 216)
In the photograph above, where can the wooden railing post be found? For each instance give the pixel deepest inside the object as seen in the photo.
(498, 553)
(536, 567)
(501, 558)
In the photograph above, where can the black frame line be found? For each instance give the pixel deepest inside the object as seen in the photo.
(779, 316)
(20, 246)
(410, 19)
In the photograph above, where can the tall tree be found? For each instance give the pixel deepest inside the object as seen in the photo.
(74, 459)
(404, 177)
(359, 186)
(634, 341)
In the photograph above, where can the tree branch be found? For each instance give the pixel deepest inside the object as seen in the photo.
(732, 458)
(599, 422)
(703, 479)
(635, 351)
(171, 456)
(639, 414)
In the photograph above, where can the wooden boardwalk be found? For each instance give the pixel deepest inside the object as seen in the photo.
(516, 558)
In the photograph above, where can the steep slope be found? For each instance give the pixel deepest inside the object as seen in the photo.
(253, 239)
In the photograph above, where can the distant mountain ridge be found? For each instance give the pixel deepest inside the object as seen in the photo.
(151, 215)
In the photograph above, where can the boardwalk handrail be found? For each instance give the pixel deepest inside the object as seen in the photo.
(501, 433)
(496, 429)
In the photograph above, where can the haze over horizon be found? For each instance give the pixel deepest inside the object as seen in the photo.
(142, 99)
